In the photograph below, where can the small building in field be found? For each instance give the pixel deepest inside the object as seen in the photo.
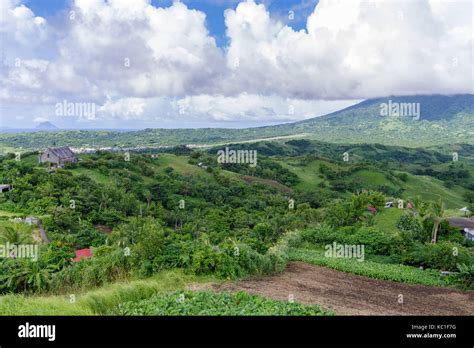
(82, 254)
(58, 156)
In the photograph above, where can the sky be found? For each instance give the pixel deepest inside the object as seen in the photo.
(223, 63)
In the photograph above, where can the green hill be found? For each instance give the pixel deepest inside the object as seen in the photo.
(442, 120)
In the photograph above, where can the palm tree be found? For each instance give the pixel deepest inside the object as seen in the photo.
(13, 234)
(436, 213)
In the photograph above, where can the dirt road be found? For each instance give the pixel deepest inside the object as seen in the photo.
(349, 294)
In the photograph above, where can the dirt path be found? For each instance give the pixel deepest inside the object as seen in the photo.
(349, 294)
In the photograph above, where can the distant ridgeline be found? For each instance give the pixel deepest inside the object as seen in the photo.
(414, 121)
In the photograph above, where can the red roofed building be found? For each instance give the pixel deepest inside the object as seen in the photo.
(82, 253)
(371, 209)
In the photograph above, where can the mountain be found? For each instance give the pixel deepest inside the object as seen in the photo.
(428, 121)
(434, 120)
(46, 126)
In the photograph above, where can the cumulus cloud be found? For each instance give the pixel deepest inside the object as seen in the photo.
(356, 49)
(20, 26)
(131, 48)
(141, 62)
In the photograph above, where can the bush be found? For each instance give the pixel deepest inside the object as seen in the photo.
(374, 240)
(465, 277)
(446, 255)
(409, 224)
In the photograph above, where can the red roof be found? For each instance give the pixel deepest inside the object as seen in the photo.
(371, 209)
(82, 253)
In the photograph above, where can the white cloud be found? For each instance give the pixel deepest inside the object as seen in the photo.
(141, 62)
(252, 107)
(356, 49)
(132, 49)
(128, 108)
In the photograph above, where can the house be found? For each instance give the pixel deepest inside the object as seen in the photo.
(465, 226)
(58, 156)
(5, 188)
(82, 254)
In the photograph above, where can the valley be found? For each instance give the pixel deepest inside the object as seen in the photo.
(240, 226)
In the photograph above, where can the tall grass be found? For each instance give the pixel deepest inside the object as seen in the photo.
(97, 302)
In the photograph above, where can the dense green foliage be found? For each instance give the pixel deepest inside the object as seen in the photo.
(150, 214)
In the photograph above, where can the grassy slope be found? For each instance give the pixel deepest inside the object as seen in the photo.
(428, 188)
(387, 218)
(99, 301)
(308, 175)
(432, 189)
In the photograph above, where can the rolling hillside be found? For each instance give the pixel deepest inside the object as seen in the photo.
(442, 120)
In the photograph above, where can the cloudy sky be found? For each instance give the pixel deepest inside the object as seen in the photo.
(223, 63)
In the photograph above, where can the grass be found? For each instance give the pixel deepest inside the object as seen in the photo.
(308, 174)
(371, 177)
(99, 301)
(93, 174)
(424, 186)
(181, 165)
(8, 214)
(432, 189)
(386, 220)
(370, 269)
(217, 304)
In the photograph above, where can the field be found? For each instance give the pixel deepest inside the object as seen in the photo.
(348, 294)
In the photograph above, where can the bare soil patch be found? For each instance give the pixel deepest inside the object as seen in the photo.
(349, 294)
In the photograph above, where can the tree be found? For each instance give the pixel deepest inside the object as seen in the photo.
(436, 213)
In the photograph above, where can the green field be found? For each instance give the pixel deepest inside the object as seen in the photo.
(432, 189)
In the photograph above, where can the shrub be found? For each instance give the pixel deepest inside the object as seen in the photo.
(374, 240)
(465, 277)
(446, 255)
(411, 225)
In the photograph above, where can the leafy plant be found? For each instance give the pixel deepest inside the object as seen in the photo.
(211, 303)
